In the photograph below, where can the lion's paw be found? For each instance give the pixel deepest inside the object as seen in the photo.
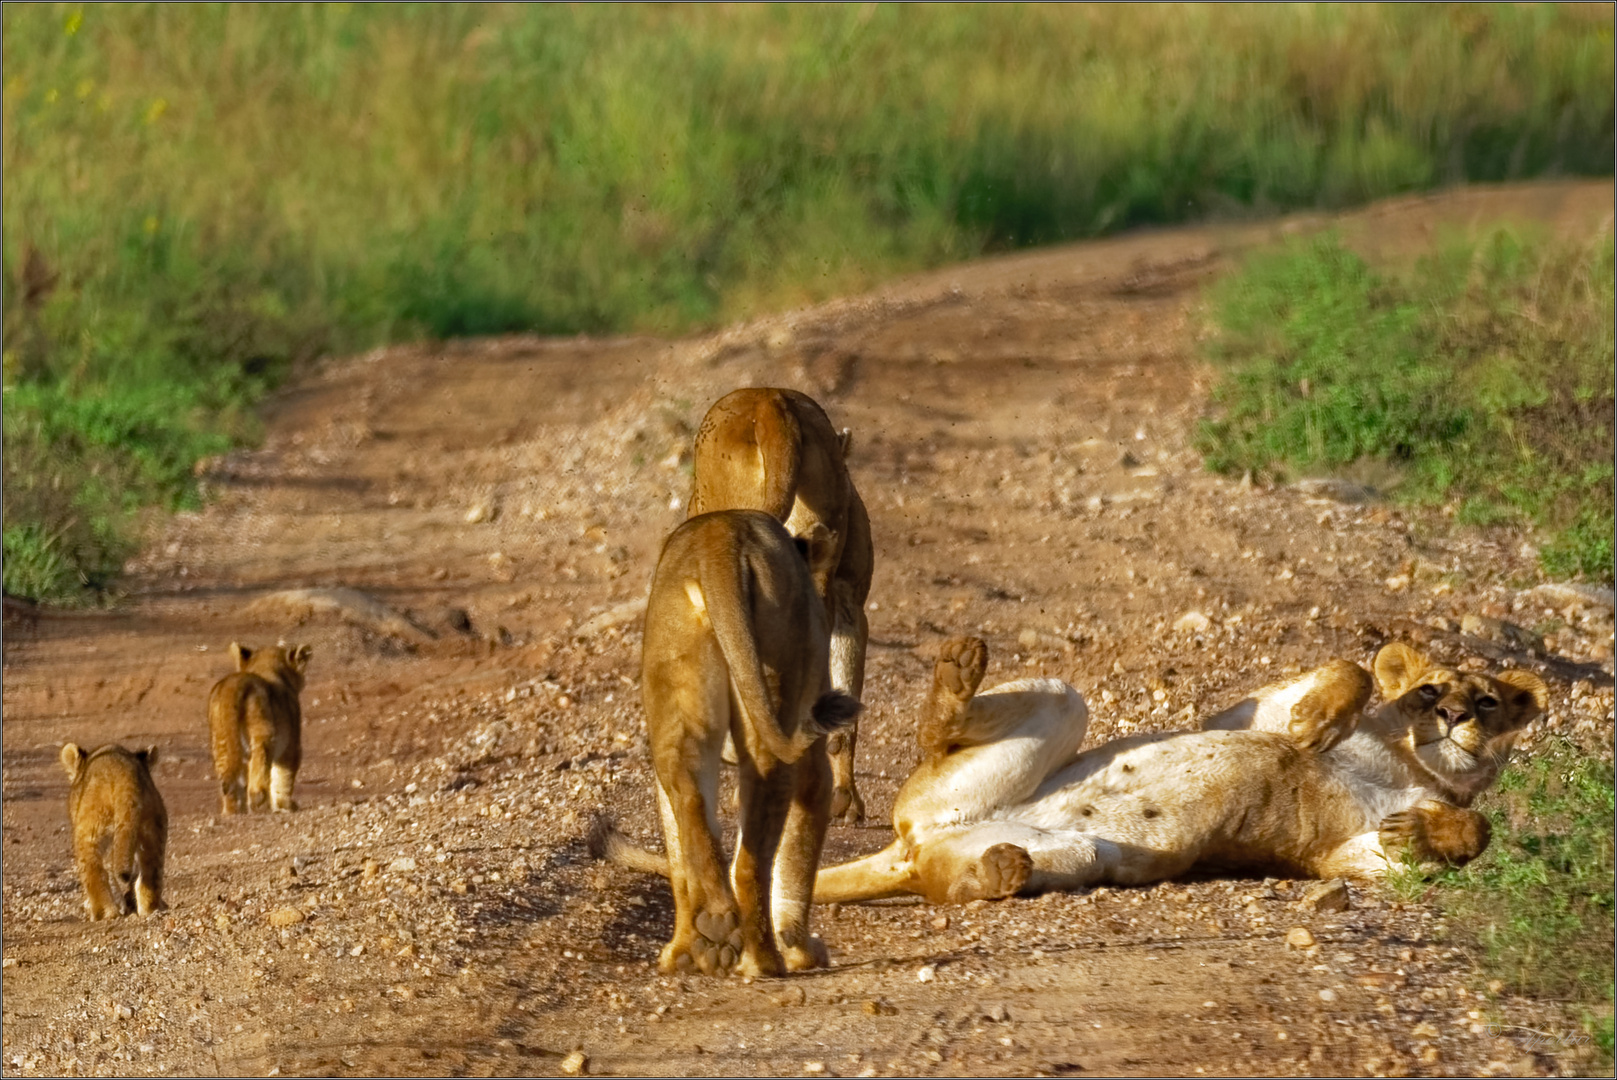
(1005, 869)
(960, 667)
(806, 957)
(847, 808)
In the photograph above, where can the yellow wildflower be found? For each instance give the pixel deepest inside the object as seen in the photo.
(156, 110)
(74, 20)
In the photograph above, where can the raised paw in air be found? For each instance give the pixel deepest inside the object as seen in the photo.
(960, 666)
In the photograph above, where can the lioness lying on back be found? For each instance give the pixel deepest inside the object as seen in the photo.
(1005, 804)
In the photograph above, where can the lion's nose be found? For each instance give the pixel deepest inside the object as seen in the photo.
(1451, 717)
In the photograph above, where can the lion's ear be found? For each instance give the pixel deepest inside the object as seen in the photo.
(148, 755)
(1525, 693)
(845, 439)
(241, 654)
(72, 760)
(1398, 667)
(300, 658)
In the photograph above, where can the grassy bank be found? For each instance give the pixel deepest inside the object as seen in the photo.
(197, 197)
(1481, 377)
(1536, 909)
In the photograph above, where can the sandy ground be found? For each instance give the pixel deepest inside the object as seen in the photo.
(1022, 437)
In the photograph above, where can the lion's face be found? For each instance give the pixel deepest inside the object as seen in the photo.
(1458, 721)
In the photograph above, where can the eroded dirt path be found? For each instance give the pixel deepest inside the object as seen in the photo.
(1022, 437)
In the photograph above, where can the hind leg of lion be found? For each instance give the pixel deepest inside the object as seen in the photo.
(765, 805)
(92, 867)
(149, 877)
(792, 889)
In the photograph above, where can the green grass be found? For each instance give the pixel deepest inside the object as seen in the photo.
(1537, 906)
(1482, 377)
(199, 197)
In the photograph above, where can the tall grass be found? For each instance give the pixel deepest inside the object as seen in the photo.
(200, 195)
(1482, 376)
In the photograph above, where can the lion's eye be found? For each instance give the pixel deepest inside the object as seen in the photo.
(1487, 704)
(1430, 693)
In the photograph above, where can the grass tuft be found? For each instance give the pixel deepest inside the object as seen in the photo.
(1481, 377)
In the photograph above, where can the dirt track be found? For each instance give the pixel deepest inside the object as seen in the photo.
(1021, 434)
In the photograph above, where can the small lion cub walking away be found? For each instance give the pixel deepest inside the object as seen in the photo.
(257, 728)
(120, 828)
(737, 643)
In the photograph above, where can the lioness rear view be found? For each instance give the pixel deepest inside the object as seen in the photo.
(256, 727)
(1005, 804)
(120, 828)
(736, 642)
(776, 451)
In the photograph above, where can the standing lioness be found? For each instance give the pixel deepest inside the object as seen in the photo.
(120, 828)
(775, 450)
(256, 726)
(1006, 804)
(736, 644)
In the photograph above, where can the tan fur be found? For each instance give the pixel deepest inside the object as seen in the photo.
(736, 644)
(1004, 803)
(776, 451)
(256, 728)
(120, 828)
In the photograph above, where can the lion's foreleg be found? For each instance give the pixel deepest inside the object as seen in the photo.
(849, 633)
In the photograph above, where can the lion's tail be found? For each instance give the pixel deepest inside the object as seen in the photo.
(606, 843)
(779, 438)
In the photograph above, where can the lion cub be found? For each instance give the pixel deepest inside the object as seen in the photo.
(120, 828)
(257, 728)
(775, 450)
(736, 644)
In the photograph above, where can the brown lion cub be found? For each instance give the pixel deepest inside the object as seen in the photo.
(120, 828)
(775, 450)
(736, 644)
(257, 728)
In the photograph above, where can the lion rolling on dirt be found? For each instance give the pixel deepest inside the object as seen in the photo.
(120, 828)
(1314, 787)
(736, 644)
(776, 451)
(256, 728)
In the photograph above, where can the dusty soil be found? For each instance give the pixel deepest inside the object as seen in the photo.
(1022, 437)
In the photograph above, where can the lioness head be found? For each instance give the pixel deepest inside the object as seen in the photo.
(1459, 723)
(282, 662)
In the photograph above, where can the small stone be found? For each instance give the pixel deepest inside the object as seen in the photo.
(1028, 639)
(941, 922)
(878, 1007)
(1496, 986)
(287, 916)
(998, 1014)
(1397, 583)
(1381, 980)
(402, 865)
(575, 1064)
(814, 1068)
(481, 511)
(10, 961)
(1299, 937)
(1430, 1055)
(1424, 1030)
(1326, 896)
(370, 870)
(926, 974)
(1192, 622)
(791, 996)
(1327, 995)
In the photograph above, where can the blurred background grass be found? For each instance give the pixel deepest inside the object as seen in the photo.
(198, 197)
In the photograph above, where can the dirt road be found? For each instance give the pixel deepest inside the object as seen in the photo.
(1022, 437)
